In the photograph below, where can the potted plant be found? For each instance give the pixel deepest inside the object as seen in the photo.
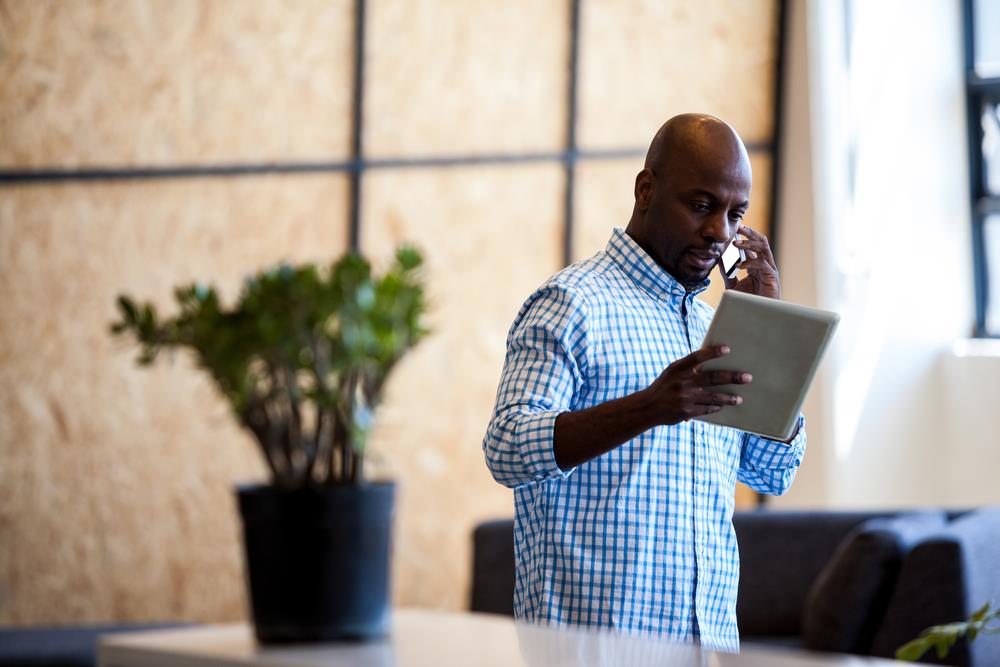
(302, 357)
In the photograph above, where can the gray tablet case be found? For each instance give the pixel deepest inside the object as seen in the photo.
(781, 345)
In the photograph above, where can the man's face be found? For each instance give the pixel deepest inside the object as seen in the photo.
(693, 210)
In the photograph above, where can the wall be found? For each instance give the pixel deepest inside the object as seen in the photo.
(116, 482)
(901, 410)
(971, 392)
(800, 235)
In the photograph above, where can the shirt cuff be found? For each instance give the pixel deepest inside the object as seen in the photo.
(536, 435)
(775, 454)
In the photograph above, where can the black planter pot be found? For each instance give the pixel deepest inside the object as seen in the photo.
(318, 560)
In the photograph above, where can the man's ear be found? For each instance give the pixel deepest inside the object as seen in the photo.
(644, 184)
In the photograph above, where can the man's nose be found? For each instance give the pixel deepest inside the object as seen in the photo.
(716, 229)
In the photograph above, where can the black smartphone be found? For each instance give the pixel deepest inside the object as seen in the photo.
(731, 259)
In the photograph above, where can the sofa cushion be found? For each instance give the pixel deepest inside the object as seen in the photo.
(945, 578)
(846, 603)
(781, 554)
(492, 588)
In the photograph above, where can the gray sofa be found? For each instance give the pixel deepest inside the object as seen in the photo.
(845, 582)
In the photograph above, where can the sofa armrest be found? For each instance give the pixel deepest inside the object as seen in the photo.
(945, 579)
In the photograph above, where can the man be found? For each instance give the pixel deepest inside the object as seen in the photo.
(623, 504)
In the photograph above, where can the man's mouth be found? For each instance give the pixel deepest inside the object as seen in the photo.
(703, 259)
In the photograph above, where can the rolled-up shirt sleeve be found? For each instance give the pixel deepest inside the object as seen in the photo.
(769, 466)
(544, 369)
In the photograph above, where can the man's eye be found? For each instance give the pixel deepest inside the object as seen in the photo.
(699, 206)
(736, 216)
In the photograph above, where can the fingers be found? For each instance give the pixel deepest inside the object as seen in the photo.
(755, 243)
(751, 233)
(715, 378)
(709, 402)
(682, 389)
(698, 357)
(717, 398)
(753, 249)
(699, 410)
(757, 263)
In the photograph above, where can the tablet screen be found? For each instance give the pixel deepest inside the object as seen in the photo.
(781, 345)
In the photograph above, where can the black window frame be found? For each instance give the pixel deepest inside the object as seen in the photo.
(979, 91)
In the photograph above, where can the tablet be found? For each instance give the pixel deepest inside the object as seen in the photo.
(781, 345)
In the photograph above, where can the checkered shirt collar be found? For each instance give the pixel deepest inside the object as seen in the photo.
(643, 269)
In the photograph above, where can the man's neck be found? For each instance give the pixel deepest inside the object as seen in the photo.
(639, 241)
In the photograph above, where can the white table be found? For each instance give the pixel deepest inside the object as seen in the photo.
(422, 637)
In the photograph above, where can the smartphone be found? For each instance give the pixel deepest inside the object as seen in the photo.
(731, 259)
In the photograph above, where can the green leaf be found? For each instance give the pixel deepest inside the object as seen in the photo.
(980, 613)
(127, 307)
(943, 642)
(913, 650)
(943, 637)
(408, 258)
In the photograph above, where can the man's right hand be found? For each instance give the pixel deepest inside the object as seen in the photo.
(681, 392)
(683, 389)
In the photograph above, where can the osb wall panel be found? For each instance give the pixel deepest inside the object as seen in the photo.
(115, 483)
(604, 199)
(491, 236)
(116, 498)
(454, 76)
(146, 82)
(642, 62)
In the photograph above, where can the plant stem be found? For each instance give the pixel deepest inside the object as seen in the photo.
(280, 422)
(319, 451)
(293, 437)
(275, 442)
(356, 470)
(350, 456)
(256, 420)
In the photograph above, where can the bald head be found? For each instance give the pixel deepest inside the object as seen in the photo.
(691, 195)
(690, 134)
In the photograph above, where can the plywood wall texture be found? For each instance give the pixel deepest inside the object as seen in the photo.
(458, 76)
(116, 482)
(141, 82)
(644, 61)
(491, 236)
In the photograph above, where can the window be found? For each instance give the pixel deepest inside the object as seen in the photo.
(982, 76)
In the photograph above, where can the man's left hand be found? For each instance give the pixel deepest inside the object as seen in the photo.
(762, 271)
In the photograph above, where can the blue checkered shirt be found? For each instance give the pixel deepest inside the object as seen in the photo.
(639, 539)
